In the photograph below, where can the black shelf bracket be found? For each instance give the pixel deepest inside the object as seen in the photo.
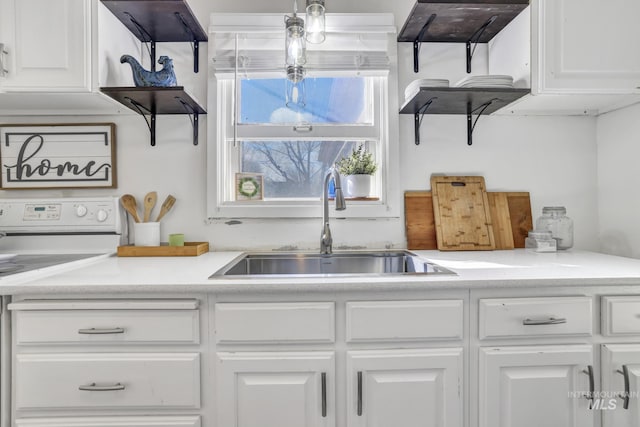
(195, 47)
(193, 118)
(471, 124)
(474, 39)
(418, 41)
(146, 38)
(418, 116)
(144, 112)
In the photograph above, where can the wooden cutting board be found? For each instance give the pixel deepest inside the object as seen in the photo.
(461, 213)
(421, 229)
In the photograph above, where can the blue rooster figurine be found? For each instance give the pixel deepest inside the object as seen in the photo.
(141, 77)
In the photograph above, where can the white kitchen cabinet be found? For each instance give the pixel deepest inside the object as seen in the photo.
(47, 44)
(585, 46)
(409, 388)
(107, 362)
(283, 389)
(532, 386)
(577, 56)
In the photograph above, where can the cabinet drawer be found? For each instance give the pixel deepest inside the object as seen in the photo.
(168, 421)
(275, 322)
(81, 380)
(526, 317)
(621, 315)
(404, 320)
(104, 323)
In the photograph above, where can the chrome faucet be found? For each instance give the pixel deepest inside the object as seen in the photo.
(326, 241)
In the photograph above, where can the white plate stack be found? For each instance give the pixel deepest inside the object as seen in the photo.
(414, 87)
(491, 81)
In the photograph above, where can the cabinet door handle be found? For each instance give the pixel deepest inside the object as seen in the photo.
(3, 52)
(359, 393)
(101, 331)
(545, 321)
(592, 385)
(627, 390)
(323, 383)
(94, 387)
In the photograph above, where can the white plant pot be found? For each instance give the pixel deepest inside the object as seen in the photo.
(357, 185)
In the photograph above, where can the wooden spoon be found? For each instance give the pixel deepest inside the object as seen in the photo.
(166, 206)
(149, 202)
(129, 203)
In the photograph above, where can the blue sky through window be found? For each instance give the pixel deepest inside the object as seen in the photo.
(338, 100)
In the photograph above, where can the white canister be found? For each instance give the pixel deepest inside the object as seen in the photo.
(146, 233)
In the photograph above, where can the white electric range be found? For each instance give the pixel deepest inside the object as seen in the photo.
(40, 235)
(47, 232)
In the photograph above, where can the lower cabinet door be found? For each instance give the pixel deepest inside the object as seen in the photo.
(620, 402)
(168, 421)
(279, 389)
(408, 388)
(536, 386)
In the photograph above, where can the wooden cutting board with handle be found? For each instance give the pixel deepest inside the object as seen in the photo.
(461, 213)
(421, 228)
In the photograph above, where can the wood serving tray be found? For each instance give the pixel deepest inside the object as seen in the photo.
(189, 249)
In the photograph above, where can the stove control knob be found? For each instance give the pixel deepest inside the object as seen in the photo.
(81, 210)
(102, 215)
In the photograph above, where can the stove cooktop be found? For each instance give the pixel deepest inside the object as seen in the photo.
(25, 263)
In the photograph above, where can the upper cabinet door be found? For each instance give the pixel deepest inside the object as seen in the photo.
(48, 45)
(585, 46)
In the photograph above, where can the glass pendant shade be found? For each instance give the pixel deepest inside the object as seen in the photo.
(315, 21)
(295, 91)
(295, 45)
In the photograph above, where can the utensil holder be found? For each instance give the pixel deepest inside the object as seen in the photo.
(146, 233)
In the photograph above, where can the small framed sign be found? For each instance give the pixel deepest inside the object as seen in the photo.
(58, 156)
(249, 186)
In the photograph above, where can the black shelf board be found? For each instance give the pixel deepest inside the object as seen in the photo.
(456, 100)
(457, 21)
(158, 100)
(158, 18)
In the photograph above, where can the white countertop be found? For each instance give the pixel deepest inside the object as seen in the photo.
(477, 269)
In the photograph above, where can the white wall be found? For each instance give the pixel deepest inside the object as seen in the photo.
(619, 181)
(554, 158)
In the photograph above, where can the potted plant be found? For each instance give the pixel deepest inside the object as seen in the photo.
(357, 169)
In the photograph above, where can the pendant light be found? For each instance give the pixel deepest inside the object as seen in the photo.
(295, 45)
(315, 21)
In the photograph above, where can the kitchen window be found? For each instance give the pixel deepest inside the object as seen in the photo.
(291, 137)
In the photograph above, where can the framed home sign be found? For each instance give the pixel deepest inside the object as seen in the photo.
(58, 156)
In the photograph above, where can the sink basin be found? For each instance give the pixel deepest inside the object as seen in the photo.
(336, 264)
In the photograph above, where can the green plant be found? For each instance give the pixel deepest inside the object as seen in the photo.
(359, 162)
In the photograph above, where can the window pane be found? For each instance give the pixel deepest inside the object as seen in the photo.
(339, 100)
(293, 169)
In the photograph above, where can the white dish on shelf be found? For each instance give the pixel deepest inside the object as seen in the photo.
(495, 81)
(414, 87)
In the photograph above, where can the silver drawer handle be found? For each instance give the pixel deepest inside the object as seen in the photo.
(101, 331)
(547, 321)
(94, 387)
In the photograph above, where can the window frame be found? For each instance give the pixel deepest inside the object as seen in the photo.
(222, 133)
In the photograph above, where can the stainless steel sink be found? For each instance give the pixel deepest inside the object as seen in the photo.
(335, 264)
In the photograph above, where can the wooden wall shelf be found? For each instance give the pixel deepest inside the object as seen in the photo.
(468, 101)
(451, 21)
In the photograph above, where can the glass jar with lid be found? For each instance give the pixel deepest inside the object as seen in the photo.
(555, 220)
